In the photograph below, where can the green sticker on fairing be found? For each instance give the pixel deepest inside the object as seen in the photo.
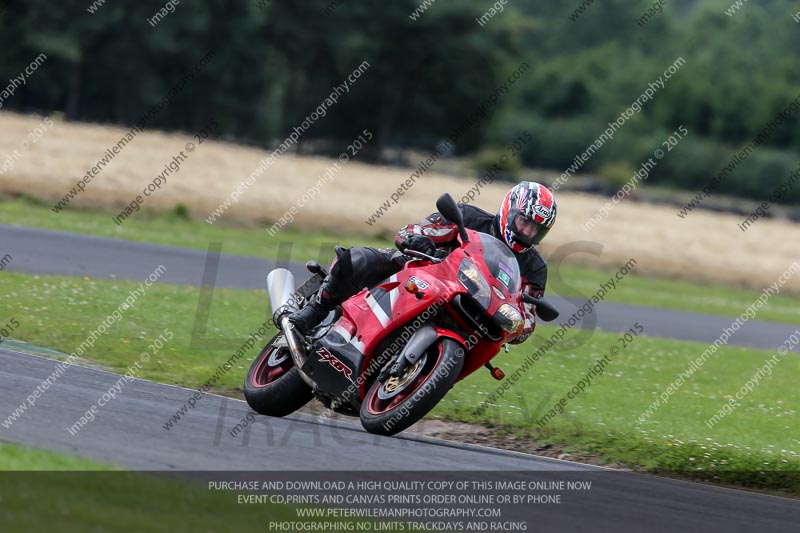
(505, 278)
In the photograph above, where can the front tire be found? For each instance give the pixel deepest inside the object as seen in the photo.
(273, 385)
(392, 406)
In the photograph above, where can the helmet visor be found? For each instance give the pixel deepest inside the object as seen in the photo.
(525, 230)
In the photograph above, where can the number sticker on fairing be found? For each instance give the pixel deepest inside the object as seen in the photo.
(419, 283)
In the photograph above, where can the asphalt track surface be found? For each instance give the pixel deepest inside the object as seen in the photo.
(39, 251)
(129, 431)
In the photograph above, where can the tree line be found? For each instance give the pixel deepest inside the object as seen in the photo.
(274, 61)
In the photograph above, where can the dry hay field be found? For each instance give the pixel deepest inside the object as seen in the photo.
(705, 247)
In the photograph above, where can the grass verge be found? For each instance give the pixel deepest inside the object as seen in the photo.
(177, 229)
(18, 458)
(755, 445)
(87, 496)
(60, 312)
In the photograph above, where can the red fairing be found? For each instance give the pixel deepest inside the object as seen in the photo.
(443, 233)
(372, 314)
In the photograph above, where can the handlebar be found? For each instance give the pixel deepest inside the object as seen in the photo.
(421, 255)
(544, 309)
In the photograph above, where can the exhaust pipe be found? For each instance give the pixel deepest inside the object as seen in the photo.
(283, 299)
(281, 288)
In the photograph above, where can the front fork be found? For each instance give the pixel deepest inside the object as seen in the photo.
(417, 345)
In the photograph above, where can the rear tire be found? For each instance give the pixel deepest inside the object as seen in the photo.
(386, 412)
(273, 385)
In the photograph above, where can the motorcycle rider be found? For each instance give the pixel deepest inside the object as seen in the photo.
(527, 213)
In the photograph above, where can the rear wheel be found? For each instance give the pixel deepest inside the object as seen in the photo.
(395, 404)
(273, 385)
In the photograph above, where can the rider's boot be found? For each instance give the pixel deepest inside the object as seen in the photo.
(327, 297)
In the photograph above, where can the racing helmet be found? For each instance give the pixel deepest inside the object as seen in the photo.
(534, 205)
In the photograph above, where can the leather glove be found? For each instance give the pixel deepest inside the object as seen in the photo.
(420, 243)
(528, 326)
(441, 253)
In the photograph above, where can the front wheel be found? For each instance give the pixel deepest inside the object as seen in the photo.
(397, 403)
(273, 386)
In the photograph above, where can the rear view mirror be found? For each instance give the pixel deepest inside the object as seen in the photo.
(448, 208)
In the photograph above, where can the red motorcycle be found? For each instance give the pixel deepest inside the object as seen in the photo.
(390, 353)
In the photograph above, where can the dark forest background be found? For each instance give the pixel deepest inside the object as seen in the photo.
(276, 60)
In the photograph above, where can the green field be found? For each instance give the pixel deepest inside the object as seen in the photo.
(601, 421)
(60, 312)
(87, 496)
(177, 229)
(755, 445)
(17, 458)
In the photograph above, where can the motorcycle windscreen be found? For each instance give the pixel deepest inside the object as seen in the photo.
(502, 263)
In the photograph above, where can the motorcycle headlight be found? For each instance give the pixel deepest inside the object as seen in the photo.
(509, 318)
(471, 278)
